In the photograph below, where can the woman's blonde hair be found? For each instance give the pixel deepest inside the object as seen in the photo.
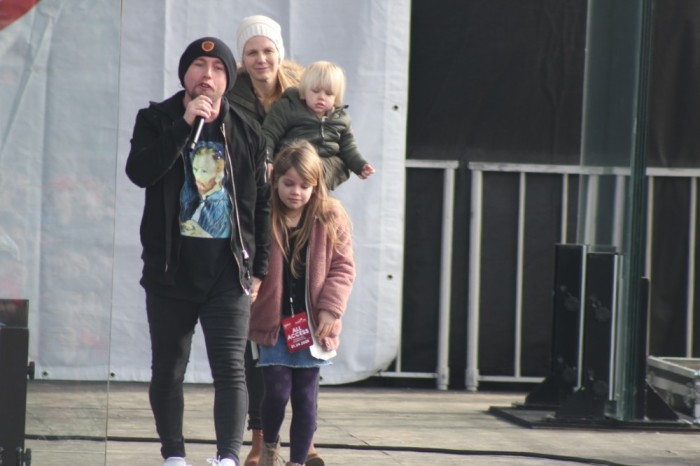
(302, 157)
(288, 75)
(326, 76)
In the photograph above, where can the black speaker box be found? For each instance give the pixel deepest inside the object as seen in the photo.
(590, 400)
(564, 375)
(14, 344)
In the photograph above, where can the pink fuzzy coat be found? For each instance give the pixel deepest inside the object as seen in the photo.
(330, 273)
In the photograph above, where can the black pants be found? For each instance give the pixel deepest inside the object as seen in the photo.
(255, 385)
(224, 320)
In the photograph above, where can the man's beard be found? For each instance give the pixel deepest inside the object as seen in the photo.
(196, 92)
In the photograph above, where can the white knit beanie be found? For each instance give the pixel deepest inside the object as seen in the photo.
(259, 25)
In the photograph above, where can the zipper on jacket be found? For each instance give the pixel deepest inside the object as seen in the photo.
(184, 173)
(234, 201)
(307, 304)
(306, 269)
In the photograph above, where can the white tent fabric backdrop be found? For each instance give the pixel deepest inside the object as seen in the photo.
(75, 72)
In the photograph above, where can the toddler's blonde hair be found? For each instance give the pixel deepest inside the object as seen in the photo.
(326, 76)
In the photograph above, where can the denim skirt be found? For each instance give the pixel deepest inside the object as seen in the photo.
(279, 355)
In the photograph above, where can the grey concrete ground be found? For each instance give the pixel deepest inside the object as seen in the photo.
(66, 423)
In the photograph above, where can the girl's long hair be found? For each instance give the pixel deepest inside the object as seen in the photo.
(302, 156)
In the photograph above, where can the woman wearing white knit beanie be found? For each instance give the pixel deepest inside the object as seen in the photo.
(264, 73)
(259, 25)
(263, 77)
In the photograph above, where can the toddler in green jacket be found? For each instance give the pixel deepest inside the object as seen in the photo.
(314, 112)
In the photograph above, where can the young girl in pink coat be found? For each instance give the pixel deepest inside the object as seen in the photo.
(297, 308)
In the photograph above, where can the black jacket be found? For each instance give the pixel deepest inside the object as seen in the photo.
(289, 119)
(155, 162)
(243, 96)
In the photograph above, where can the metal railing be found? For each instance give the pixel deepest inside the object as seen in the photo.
(442, 373)
(565, 172)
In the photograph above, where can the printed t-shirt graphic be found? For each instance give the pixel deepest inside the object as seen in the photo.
(205, 206)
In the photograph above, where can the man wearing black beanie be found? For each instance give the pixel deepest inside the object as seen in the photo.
(208, 47)
(205, 237)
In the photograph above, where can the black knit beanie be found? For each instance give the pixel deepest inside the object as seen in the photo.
(208, 47)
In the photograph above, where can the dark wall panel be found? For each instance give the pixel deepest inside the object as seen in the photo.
(502, 81)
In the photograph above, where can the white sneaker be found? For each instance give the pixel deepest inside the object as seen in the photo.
(223, 462)
(175, 461)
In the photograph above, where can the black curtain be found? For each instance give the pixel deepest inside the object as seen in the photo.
(674, 142)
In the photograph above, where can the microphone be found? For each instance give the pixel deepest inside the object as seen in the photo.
(198, 125)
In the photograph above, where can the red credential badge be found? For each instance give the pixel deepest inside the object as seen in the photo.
(297, 331)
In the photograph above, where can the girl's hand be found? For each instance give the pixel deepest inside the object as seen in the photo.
(328, 330)
(326, 325)
(332, 342)
(254, 289)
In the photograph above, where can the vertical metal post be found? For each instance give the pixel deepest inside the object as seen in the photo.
(619, 211)
(630, 374)
(690, 296)
(564, 229)
(582, 314)
(443, 369)
(592, 190)
(472, 371)
(520, 266)
(649, 227)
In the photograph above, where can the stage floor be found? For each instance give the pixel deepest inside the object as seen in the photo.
(79, 423)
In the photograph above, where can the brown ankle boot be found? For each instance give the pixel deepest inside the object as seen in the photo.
(313, 458)
(253, 458)
(270, 454)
